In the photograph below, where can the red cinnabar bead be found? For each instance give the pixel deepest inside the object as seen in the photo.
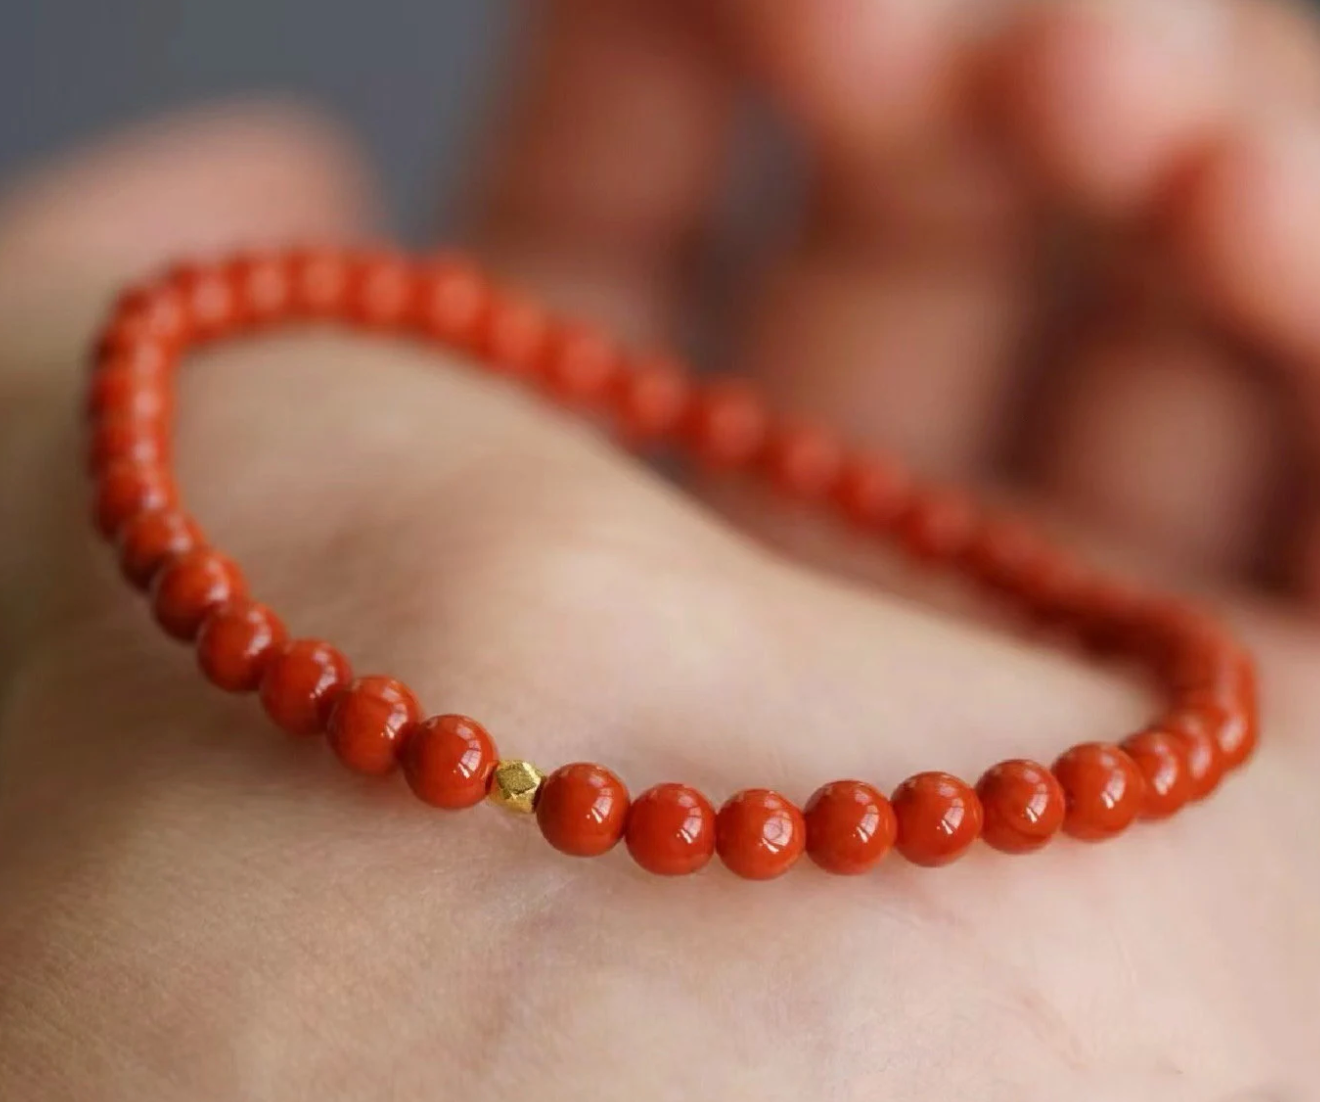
(1195, 728)
(453, 302)
(125, 488)
(302, 681)
(235, 642)
(728, 425)
(127, 438)
(1022, 805)
(1162, 759)
(152, 538)
(671, 830)
(939, 817)
(582, 366)
(368, 722)
(652, 400)
(187, 588)
(448, 760)
(850, 827)
(804, 461)
(518, 333)
(1104, 789)
(759, 835)
(582, 809)
(872, 492)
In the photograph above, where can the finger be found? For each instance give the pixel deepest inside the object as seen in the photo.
(73, 232)
(1113, 103)
(895, 313)
(607, 159)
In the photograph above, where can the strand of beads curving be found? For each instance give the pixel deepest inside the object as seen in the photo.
(375, 724)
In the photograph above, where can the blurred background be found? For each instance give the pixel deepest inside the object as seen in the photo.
(406, 75)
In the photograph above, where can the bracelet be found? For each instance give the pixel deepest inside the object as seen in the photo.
(374, 724)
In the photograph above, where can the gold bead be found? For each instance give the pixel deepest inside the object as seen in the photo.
(515, 785)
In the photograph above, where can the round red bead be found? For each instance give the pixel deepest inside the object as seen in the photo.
(127, 438)
(759, 835)
(804, 461)
(517, 335)
(872, 492)
(850, 827)
(1162, 759)
(235, 642)
(938, 525)
(453, 303)
(939, 817)
(301, 683)
(652, 400)
(369, 721)
(149, 540)
(448, 761)
(125, 488)
(1195, 728)
(582, 809)
(1022, 805)
(582, 365)
(727, 425)
(671, 830)
(1104, 789)
(187, 588)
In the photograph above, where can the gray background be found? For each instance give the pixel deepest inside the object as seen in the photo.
(409, 76)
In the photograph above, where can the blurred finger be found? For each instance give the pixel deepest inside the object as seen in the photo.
(605, 164)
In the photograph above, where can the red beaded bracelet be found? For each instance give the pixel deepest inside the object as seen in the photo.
(375, 724)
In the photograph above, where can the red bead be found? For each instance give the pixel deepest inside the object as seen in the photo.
(1196, 728)
(652, 400)
(154, 315)
(187, 588)
(124, 489)
(939, 817)
(727, 425)
(938, 525)
(211, 300)
(1022, 805)
(302, 681)
(759, 835)
(671, 830)
(118, 391)
(368, 722)
(1162, 759)
(385, 292)
(150, 539)
(127, 438)
(322, 283)
(1005, 555)
(872, 492)
(804, 461)
(518, 333)
(264, 286)
(448, 761)
(850, 827)
(1104, 789)
(453, 303)
(582, 809)
(147, 359)
(235, 642)
(582, 366)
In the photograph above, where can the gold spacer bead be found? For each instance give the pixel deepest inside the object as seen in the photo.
(514, 786)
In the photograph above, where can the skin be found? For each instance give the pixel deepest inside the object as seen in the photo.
(193, 907)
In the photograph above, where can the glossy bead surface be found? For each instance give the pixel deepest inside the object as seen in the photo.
(1022, 806)
(150, 539)
(187, 588)
(939, 817)
(937, 526)
(127, 438)
(1196, 728)
(448, 761)
(582, 809)
(518, 332)
(384, 293)
(235, 642)
(759, 835)
(322, 283)
(301, 683)
(671, 830)
(1104, 789)
(368, 722)
(1162, 759)
(125, 488)
(850, 827)
(121, 392)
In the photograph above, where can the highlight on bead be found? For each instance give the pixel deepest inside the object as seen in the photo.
(1207, 725)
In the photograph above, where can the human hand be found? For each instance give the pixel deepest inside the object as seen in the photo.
(210, 913)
